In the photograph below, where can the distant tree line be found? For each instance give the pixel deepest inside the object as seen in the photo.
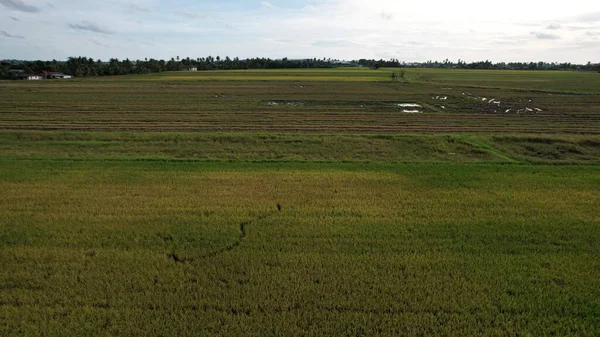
(460, 64)
(511, 65)
(82, 66)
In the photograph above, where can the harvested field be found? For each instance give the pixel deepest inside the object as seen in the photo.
(307, 107)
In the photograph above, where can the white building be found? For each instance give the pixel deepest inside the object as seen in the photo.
(55, 75)
(29, 77)
(189, 68)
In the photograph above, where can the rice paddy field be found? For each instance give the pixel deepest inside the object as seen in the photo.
(301, 203)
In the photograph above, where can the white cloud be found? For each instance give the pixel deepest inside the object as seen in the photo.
(310, 8)
(336, 44)
(386, 16)
(266, 4)
(341, 29)
(589, 17)
(545, 36)
(554, 26)
(8, 35)
(133, 7)
(192, 15)
(19, 5)
(96, 42)
(91, 27)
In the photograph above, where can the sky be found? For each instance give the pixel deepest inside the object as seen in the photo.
(415, 31)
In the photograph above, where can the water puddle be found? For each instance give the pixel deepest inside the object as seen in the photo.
(274, 103)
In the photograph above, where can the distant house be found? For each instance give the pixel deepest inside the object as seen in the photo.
(344, 63)
(30, 77)
(20, 74)
(189, 68)
(52, 75)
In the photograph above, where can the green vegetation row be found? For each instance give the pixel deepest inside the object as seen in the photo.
(128, 249)
(83, 66)
(299, 147)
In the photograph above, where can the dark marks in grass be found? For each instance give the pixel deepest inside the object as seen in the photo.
(177, 258)
(166, 237)
(243, 226)
(335, 309)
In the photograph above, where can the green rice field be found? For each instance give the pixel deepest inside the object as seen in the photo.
(301, 203)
